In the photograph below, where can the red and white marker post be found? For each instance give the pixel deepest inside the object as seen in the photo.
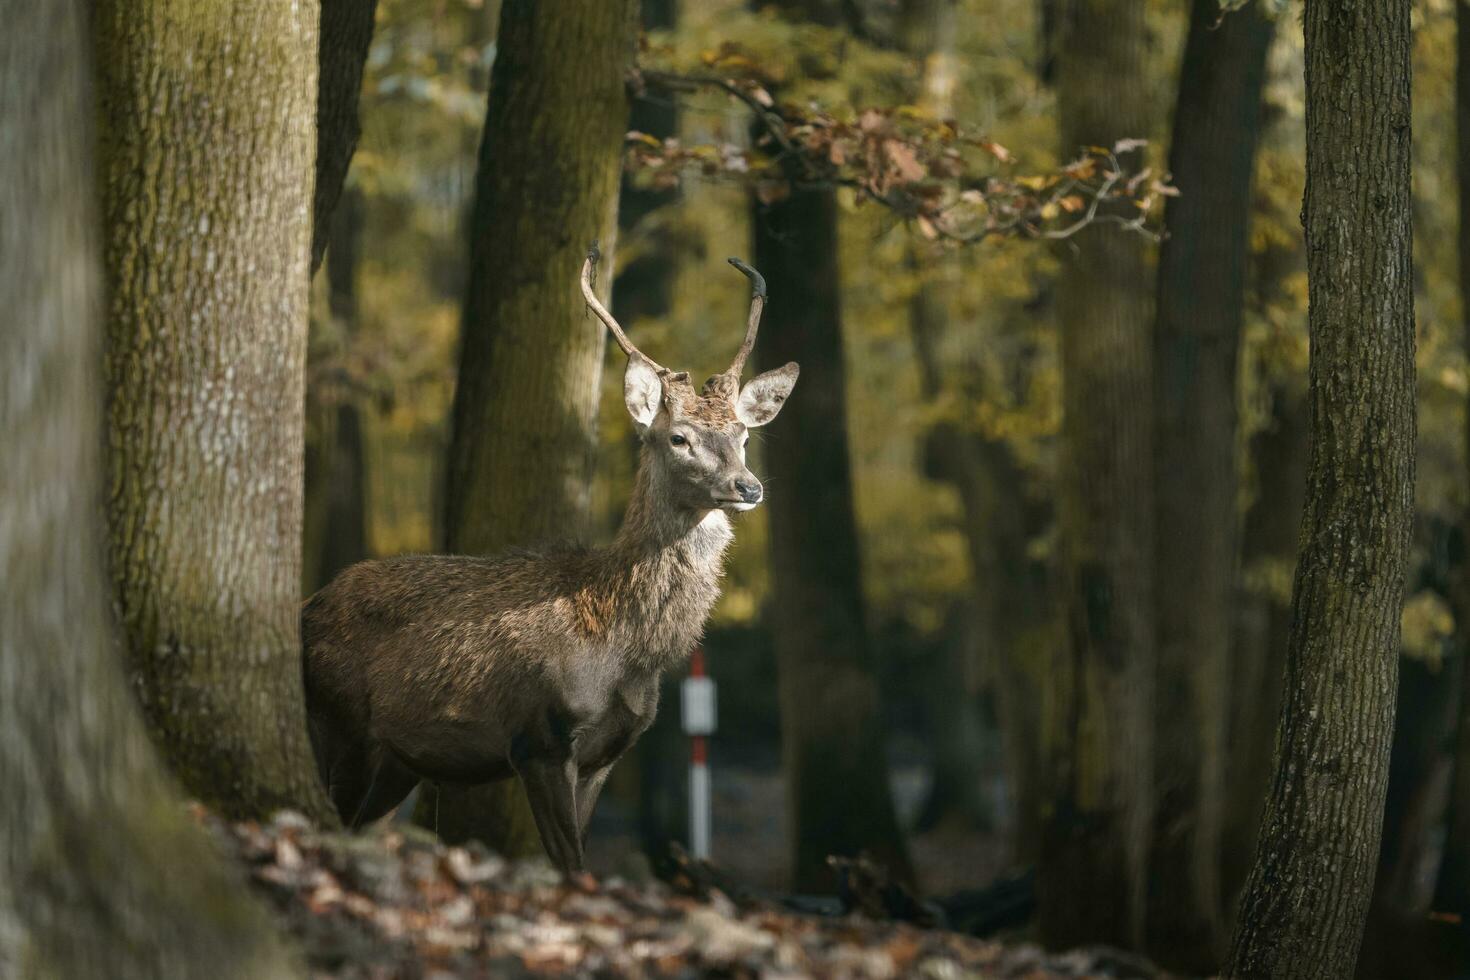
(698, 704)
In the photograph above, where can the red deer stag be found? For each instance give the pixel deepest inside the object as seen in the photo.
(541, 663)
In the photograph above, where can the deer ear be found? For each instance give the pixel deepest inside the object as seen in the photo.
(763, 397)
(642, 391)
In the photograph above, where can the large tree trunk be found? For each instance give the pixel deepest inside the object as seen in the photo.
(206, 158)
(1452, 889)
(832, 725)
(1305, 901)
(1201, 304)
(1097, 815)
(346, 32)
(525, 412)
(102, 873)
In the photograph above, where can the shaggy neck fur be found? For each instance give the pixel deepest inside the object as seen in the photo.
(662, 571)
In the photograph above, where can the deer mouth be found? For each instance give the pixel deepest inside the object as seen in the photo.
(737, 505)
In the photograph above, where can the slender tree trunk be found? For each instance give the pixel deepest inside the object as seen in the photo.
(1201, 304)
(832, 725)
(346, 32)
(1452, 889)
(1308, 893)
(525, 413)
(1091, 879)
(102, 873)
(206, 157)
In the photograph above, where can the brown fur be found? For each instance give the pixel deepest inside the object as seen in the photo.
(544, 662)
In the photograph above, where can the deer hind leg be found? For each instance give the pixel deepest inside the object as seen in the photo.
(551, 789)
(389, 783)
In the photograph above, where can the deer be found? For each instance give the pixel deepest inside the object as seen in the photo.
(541, 664)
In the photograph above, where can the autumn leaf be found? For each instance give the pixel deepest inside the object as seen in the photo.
(996, 150)
(1072, 203)
(905, 162)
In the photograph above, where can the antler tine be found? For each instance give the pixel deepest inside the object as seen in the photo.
(757, 303)
(593, 256)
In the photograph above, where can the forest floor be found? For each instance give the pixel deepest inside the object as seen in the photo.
(395, 903)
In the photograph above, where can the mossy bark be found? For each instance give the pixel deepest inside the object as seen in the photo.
(1201, 306)
(1098, 709)
(206, 151)
(1305, 902)
(102, 873)
(831, 707)
(524, 435)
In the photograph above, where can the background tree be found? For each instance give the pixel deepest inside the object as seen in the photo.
(346, 32)
(1452, 887)
(524, 431)
(101, 871)
(1199, 318)
(1097, 809)
(207, 246)
(1305, 902)
(834, 756)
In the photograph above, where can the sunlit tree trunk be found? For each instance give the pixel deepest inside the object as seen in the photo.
(832, 725)
(206, 155)
(346, 32)
(1096, 807)
(524, 434)
(1201, 300)
(1304, 905)
(102, 874)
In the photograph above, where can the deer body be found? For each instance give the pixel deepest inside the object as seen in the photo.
(541, 663)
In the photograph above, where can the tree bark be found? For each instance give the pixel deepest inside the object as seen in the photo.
(346, 33)
(1308, 892)
(524, 437)
(832, 721)
(206, 153)
(1201, 305)
(102, 874)
(1092, 874)
(1452, 888)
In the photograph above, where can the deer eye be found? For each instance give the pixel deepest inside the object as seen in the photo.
(677, 440)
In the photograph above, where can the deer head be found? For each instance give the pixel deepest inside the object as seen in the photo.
(695, 440)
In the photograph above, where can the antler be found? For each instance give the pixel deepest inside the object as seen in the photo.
(757, 303)
(593, 256)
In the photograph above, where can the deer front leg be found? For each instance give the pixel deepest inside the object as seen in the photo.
(551, 789)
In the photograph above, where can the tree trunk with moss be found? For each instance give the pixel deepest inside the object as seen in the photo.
(1201, 305)
(102, 873)
(832, 725)
(206, 160)
(1308, 893)
(524, 435)
(1096, 806)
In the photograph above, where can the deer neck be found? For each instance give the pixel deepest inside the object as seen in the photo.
(665, 566)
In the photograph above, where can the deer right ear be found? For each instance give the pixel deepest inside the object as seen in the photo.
(642, 391)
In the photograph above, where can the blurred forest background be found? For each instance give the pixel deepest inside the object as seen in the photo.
(953, 402)
(1022, 617)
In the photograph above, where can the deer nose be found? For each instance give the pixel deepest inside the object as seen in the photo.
(749, 492)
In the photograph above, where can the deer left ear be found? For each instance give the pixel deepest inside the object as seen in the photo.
(763, 397)
(642, 389)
